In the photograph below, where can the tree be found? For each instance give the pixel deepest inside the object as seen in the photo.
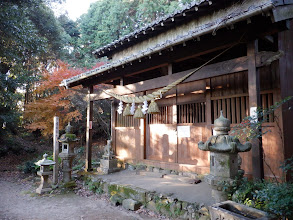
(52, 100)
(109, 20)
(30, 38)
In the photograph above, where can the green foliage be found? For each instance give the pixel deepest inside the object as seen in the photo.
(95, 187)
(274, 198)
(251, 126)
(109, 20)
(29, 167)
(287, 165)
(30, 37)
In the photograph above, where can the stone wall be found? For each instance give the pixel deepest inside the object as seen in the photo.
(132, 198)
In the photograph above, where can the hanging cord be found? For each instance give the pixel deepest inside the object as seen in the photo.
(157, 94)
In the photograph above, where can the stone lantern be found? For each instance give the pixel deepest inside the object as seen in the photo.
(224, 158)
(44, 173)
(67, 155)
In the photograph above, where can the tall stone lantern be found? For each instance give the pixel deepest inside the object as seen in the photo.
(67, 155)
(224, 158)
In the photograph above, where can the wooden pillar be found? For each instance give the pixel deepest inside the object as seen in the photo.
(142, 129)
(285, 41)
(113, 120)
(254, 102)
(89, 125)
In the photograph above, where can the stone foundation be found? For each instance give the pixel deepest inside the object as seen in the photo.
(133, 198)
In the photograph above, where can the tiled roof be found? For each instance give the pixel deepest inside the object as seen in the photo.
(193, 34)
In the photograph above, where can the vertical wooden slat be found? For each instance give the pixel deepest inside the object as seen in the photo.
(247, 105)
(219, 107)
(228, 108)
(264, 105)
(202, 112)
(270, 103)
(238, 110)
(224, 107)
(242, 108)
(233, 111)
(215, 110)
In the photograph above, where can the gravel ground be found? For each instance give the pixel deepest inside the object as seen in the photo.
(18, 200)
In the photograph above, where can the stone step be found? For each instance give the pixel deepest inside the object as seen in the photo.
(150, 174)
(182, 179)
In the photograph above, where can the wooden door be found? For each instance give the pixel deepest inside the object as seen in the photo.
(162, 144)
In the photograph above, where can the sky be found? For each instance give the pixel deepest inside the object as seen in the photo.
(75, 8)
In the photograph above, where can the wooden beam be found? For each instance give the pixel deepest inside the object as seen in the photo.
(286, 80)
(213, 70)
(89, 131)
(254, 103)
(283, 13)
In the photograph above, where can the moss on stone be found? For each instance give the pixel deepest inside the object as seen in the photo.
(112, 188)
(71, 137)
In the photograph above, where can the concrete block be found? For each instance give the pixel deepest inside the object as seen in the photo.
(131, 204)
(236, 211)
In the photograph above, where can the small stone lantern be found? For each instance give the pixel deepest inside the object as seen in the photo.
(44, 173)
(67, 155)
(224, 158)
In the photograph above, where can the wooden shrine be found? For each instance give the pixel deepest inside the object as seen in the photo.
(257, 70)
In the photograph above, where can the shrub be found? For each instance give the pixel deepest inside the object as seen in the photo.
(29, 167)
(274, 198)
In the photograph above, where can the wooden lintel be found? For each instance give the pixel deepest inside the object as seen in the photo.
(213, 70)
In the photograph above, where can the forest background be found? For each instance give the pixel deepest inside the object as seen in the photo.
(38, 50)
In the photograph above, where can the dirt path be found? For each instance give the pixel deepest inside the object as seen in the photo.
(17, 201)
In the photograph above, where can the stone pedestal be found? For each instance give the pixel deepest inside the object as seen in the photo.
(44, 186)
(109, 165)
(66, 166)
(109, 162)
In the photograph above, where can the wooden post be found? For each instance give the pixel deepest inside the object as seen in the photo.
(113, 132)
(170, 69)
(208, 112)
(142, 129)
(89, 125)
(55, 149)
(254, 102)
(286, 78)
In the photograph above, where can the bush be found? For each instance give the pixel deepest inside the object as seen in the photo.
(29, 167)
(274, 198)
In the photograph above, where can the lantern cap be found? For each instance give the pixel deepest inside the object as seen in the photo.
(222, 123)
(45, 161)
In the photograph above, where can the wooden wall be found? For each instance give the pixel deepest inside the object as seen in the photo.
(188, 105)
